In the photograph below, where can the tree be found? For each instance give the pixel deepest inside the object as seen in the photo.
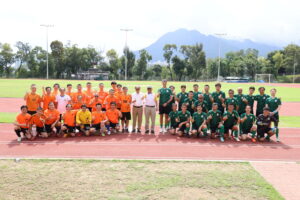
(278, 62)
(168, 53)
(178, 67)
(7, 59)
(157, 70)
(142, 63)
(291, 57)
(114, 63)
(130, 62)
(22, 54)
(57, 49)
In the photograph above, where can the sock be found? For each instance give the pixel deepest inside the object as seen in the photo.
(57, 129)
(205, 131)
(253, 134)
(18, 132)
(267, 137)
(166, 125)
(221, 131)
(236, 133)
(161, 126)
(277, 132)
(187, 129)
(107, 127)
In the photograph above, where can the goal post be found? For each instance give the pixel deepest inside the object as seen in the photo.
(264, 78)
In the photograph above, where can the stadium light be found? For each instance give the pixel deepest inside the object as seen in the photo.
(126, 31)
(219, 35)
(47, 26)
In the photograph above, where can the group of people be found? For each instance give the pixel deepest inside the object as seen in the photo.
(64, 112)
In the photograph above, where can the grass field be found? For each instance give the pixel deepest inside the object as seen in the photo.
(18, 87)
(92, 179)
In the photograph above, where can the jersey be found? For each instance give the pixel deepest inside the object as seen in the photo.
(232, 118)
(248, 123)
(164, 95)
(51, 116)
(183, 116)
(203, 104)
(89, 94)
(216, 118)
(173, 116)
(208, 100)
(273, 104)
(265, 121)
(216, 95)
(83, 117)
(240, 102)
(69, 118)
(125, 102)
(113, 115)
(199, 118)
(23, 119)
(196, 95)
(232, 100)
(38, 120)
(261, 102)
(190, 103)
(33, 101)
(110, 99)
(250, 99)
(98, 117)
(181, 96)
(46, 99)
(102, 95)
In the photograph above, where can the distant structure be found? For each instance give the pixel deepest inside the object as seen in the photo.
(92, 74)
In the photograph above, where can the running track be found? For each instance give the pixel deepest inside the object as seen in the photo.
(135, 146)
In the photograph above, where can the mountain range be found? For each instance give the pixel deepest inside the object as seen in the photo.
(210, 44)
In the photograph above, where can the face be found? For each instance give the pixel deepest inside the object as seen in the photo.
(125, 90)
(89, 86)
(137, 89)
(99, 107)
(273, 92)
(33, 89)
(251, 91)
(240, 91)
(183, 108)
(164, 83)
(79, 98)
(39, 112)
(248, 109)
(56, 87)
(101, 86)
(48, 90)
(191, 95)
(112, 106)
(231, 93)
(51, 106)
(83, 108)
(69, 107)
(174, 108)
(199, 108)
(266, 112)
(215, 107)
(79, 87)
(69, 88)
(119, 87)
(230, 107)
(183, 89)
(96, 96)
(62, 91)
(200, 98)
(172, 88)
(24, 110)
(196, 87)
(113, 85)
(261, 90)
(206, 88)
(218, 88)
(111, 93)
(149, 90)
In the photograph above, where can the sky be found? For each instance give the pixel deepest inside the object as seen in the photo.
(98, 23)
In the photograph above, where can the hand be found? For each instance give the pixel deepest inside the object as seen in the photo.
(165, 104)
(225, 118)
(272, 113)
(209, 117)
(180, 125)
(220, 96)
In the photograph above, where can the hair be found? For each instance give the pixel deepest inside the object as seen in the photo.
(183, 105)
(101, 84)
(251, 88)
(266, 108)
(172, 86)
(88, 83)
(215, 104)
(68, 105)
(113, 83)
(206, 85)
(60, 89)
(191, 92)
(24, 107)
(119, 85)
(113, 103)
(231, 90)
(125, 88)
(218, 84)
(174, 104)
(111, 90)
(48, 88)
(56, 84)
(249, 106)
(83, 106)
(230, 104)
(69, 85)
(261, 88)
(98, 104)
(33, 85)
(183, 86)
(39, 108)
(78, 84)
(196, 85)
(199, 106)
(273, 89)
(51, 102)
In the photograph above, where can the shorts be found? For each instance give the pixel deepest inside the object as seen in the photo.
(195, 127)
(261, 131)
(113, 125)
(90, 109)
(96, 126)
(213, 129)
(126, 116)
(31, 112)
(40, 129)
(164, 110)
(227, 128)
(24, 130)
(182, 128)
(70, 129)
(48, 128)
(245, 131)
(103, 109)
(174, 126)
(86, 127)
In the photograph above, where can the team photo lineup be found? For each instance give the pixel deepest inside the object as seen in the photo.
(68, 112)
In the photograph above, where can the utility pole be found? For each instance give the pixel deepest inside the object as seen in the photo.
(126, 60)
(219, 35)
(47, 26)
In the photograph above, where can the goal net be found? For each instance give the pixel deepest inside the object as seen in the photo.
(264, 78)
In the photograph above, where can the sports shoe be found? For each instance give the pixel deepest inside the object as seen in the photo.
(152, 132)
(277, 140)
(133, 131)
(147, 132)
(123, 130)
(65, 135)
(221, 139)
(103, 134)
(108, 132)
(126, 130)
(237, 139)
(161, 130)
(19, 139)
(253, 140)
(139, 131)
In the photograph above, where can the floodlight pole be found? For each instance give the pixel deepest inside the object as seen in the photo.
(294, 67)
(126, 60)
(220, 35)
(47, 26)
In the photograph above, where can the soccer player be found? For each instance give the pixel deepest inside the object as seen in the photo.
(38, 120)
(110, 98)
(190, 102)
(47, 98)
(207, 97)
(183, 120)
(274, 104)
(215, 123)
(77, 103)
(33, 100)
(264, 125)
(94, 101)
(125, 109)
(250, 98)
(165, 97)
(89, 94)
(69, 118)
(52, 124)
(231, 120)
(55, 91)
(118, 94)
(113, 115)
(180, 97)
(219, 97)
(173, 96)
(200, 101)
(173, 115)
(196, 91)
(199, 122)
(102, 95)
(247, 124)
(22, 124)
(231, 99)
(261, 99)
(84, 120)
(69, 91)
(62, 100)
(98, 120)
(79, 93)
(241, 101)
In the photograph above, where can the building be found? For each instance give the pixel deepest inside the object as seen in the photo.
(92, 74)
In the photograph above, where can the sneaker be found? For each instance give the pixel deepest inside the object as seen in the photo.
(221, 139)
(152, 132)
(161, 130)
(108, 132)
(126, 130)
(133, 131)
(253, 140)
(103, 134)
(147, 132)
(237, 139)
(277, 140)
(19, 139)
(65, 135)
(268, 139)
(123, 130)
(139, 131)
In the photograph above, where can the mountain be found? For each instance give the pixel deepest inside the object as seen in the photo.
(210, 44)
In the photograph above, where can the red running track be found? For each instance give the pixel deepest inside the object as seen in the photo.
(133, 146)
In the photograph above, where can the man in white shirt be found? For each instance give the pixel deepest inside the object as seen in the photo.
(137, 109)
(62, 100)
(150, 109)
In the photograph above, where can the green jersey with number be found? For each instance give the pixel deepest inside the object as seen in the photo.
(248, 123)
(196, 95)
(208, 100)
(183, 116)
(242, 105)
(250, 99)
(173, 116)
(199, 118)
(232, 100)
(216, 95)
(261, 102)
(216, 117)
(232, 118)
(164, 95)
(181, 96)
(273, 103)
(203, 104)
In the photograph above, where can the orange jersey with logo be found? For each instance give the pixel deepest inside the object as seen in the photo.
(98, 117)
(69, 117)
(23, 119)
(51, 116)
(38, 120)
(93, 103)
(76, 94)
(89, 94)
(118, 94)
(102, 95)
(113, 115)
(46, 99)
(110, 99)
(71, 94)
(125, 102)
(55, 92)
(33, 101)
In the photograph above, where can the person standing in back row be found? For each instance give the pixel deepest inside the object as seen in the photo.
(137, 109)
(150, 109)
(33, 100)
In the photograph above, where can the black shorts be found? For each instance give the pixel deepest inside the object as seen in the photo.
(103, 109)
(40, 129)
(24, 130)
(90, 109)
(86, 127)
(227, 128)
(113, 125)
(164, 110)
(31, 112)
(70, 129)
(174, 126)
(261, 131)
(96, 126)
(48, 128)
(182, 128)
(245, 131)
(213, 129)
(126, 116)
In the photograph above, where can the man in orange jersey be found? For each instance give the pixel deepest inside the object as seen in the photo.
(94, 101)
(114, 85)
(55, 89)
(118, 94)
(78, 103)
(69, 117)
(113, 115)
(38, 120)
(47, 98)
(98, 120)
(69, 91)
(52, 124)
(125, 109)
(102, 95)
(79, 93)
(22, 123)
(89, 94)
(33, 100)
(110, 98)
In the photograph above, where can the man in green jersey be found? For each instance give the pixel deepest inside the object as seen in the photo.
(250, 98)
(219, 97)
(165, 96)
(183, 120)
(261, 99)
(231, 119)
(207, 97)
(190, 102)
(231, 99)
(247, 124)
(199, 122)
(200, 101)
(241, 100)
(214, 121)
(196, 91)
(173, 115)
(274, 104)
(173, 95)
(180, 97)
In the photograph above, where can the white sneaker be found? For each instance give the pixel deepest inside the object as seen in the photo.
(161, 130)
(108, 132)
(164, 130)
(277, 140)
(237, 139)
(76, 131)
(19, 139)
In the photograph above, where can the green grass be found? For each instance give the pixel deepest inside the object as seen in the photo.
(285, 121)
(96, 179)
(18, 87)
